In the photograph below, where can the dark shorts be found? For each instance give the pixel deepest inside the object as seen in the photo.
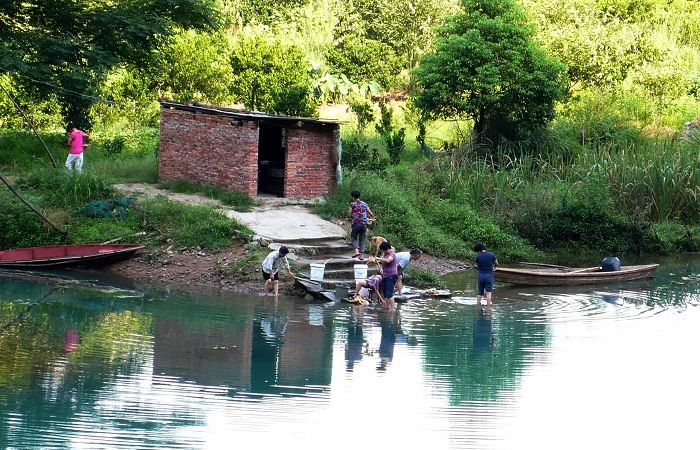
(389, 284)
(484, 283)
(270, 276)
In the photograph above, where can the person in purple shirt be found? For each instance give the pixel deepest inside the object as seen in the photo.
(390, 272)
(486, 262)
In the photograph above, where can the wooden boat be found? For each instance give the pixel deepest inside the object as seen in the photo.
(568, 276)
(60, 256)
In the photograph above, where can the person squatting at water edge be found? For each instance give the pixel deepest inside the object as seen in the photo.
(374, 283)
(270, 269)
(404, 259)
(390, 272)
(360, 214)
(486, 262)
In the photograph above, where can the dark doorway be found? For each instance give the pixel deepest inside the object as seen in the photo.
(272, 151)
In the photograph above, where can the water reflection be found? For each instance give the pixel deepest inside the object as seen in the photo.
(174, 370)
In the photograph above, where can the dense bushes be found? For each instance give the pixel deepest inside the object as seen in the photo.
(21, 227)
(410, 215)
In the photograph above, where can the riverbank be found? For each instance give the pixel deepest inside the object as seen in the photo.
(194, 269)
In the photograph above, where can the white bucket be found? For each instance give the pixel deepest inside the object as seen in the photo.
(317, 271)
(360, 271)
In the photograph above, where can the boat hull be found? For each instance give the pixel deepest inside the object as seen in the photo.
(571, 277)
(63, 256)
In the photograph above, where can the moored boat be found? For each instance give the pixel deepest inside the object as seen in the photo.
(61, 256)
(568, 276)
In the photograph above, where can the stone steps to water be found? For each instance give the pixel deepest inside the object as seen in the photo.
(335, 256)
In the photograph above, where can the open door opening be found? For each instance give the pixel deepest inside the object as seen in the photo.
(272, 159)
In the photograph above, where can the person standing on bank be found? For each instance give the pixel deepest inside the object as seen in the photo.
(360, 214)
(76, 142)
(271, 266)
(390, 272)
(486, 262)
(405, 259)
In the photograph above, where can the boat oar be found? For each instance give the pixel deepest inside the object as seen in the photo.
(554, 266)
(587, 269)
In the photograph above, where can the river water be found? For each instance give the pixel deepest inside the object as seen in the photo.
(88, 362)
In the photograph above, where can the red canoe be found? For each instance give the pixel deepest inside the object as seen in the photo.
(59, 256)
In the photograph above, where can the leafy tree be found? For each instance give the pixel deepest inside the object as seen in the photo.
(246, 12)
(405, 26)
(66, 47)
(264, 66)
(600, 41)
(294, 101)
(363, 60)
(394, 139)
(194, 66)
(487, 67)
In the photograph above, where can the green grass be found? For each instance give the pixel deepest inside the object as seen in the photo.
(234, 199)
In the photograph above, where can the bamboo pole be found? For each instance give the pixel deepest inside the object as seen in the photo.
(33, 208)
(31, 125)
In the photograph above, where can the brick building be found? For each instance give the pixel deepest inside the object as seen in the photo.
(294, 157)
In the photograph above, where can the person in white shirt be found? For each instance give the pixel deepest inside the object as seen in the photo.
(271, 266)
(405, 259)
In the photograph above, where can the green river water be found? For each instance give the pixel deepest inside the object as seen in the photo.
(88, 362)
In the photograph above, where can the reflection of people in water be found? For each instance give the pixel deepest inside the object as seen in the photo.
(273, 324)
(353, 348)
(71, 340)
(483, 332)
(390, 323)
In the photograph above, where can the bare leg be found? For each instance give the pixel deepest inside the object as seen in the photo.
(267, 287)
(359, 285)
(390, 302)
(488, 298)
(399, 286)
(276, 286)
(478, 299)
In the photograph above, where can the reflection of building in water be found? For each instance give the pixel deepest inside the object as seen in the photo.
(263, 355)
(214, 357)
(307, 355)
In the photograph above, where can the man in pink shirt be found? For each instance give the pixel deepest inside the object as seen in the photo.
(76, 142)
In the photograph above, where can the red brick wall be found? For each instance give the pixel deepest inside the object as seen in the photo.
(221, 150)
(209, 149)
(311, 161)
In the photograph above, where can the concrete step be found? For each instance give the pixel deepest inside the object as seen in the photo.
(345, 274)
(312, 241)
(321, 248)
(330, 261)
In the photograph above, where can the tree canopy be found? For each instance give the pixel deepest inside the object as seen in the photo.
(66, 47)
(487, 67)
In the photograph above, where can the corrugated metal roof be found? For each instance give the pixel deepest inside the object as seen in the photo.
(242, 113)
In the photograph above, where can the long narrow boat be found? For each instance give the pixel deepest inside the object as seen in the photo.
(61, 256)
(565, 276)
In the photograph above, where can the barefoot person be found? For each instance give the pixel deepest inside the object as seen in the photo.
(390, 272)
(271, 266)
(486, 262)
(374, 283)
(405, 259)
